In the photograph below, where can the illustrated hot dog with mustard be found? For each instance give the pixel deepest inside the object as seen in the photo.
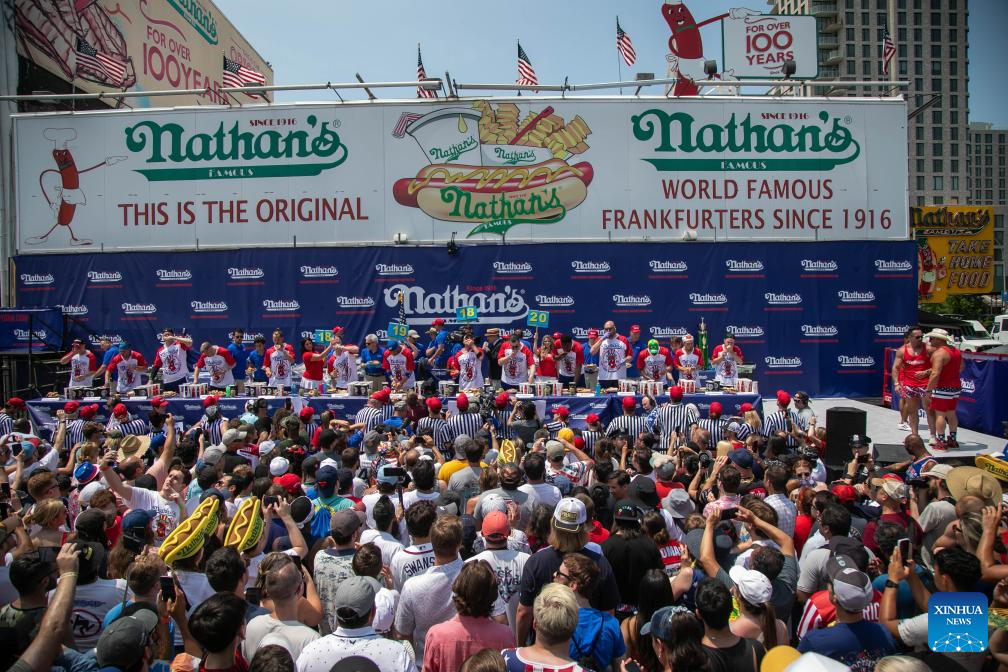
(246, 527)
(188, 538)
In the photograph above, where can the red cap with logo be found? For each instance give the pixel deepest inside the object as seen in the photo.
(462, 402)
(16, 402)
(783, 398)
(337, 330)
(561, 411)
(745, 408)
(289, 482)
(635, 329)
(845, 493)
(438, 322)
(159, 402)
(502, 400)
(592, 333)
(433, 404)
(71, 407)
(88, 412)
(629, 402)
(715, 408)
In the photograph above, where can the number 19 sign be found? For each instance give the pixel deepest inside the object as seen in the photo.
(538, 319)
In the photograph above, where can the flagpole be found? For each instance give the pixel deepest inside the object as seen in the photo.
(619, 59)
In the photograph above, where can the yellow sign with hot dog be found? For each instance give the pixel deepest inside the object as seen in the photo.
(955, 250)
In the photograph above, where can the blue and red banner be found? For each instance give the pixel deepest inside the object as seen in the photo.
(811, 316)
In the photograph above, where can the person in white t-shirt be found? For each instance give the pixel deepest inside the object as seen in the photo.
(467, 365)
(516, 362)
(83, 364)
(283, 585)
(219, 362)
(342, 363)
(614, 355)
(382, 535)
(167, 503)
(425, 483)
(171, 359)
(726, 359)
(127, 364)
(535, 473)
(93, 597)
(507, 564)
(418, 557)
(398, 364)
(367, 561)
(278, 360)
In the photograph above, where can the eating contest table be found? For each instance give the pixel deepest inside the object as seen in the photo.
(190, 410)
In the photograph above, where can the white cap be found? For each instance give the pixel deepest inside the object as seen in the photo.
(816, 662)
(279, 466)
(89, 490)
(493, 502)
(570, 514)
(329, 462)
(265, 448)
(753, 586)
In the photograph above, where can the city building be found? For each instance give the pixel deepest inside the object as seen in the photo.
(987, 150)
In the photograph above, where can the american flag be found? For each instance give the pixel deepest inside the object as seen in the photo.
(94, 59)
(405, 119)
(526, 75)
(625, 46)
(237, 75)
(402, 308)
(421, 75)
(888, 50)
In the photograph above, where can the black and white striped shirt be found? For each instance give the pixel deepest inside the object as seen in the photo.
(632, 424)
(137, 426)
(590, 436)
(309, 430)
(743, 432)
(554, 427)
(503, 430)
(464, 423)
(6, 424)
(717, 428)
(674, 418)
(438, 429)
(370, 417)
(777, 422)
(74, 433)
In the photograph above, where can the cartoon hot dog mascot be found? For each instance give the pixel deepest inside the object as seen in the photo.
(492, 168)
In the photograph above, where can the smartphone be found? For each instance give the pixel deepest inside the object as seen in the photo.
(631, 666)
(862, 459)
(167, 589)
(269, 500)
(905, 549)
(398, 472)
(252, 595)
(729, 514)
(16, 449)
(5, 491)
(288, 404)
(4, 510)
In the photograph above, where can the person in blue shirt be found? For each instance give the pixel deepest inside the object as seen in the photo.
(439, 349)
(636, 344)
(108, 352)
(256, 358)
(371, 357)
(240, 355)
(597, 637)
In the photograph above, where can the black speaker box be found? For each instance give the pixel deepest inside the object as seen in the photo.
(843, 422)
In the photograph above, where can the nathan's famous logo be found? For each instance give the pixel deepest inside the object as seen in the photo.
(490, 168)
(736, 266)
(96, 339)
(893, 266)
(208, 306)
(104, 277)
(173, 275)
(819, 330)
(668, 332)
(394, 269)
(553, 300)
(355, 301)
(959, 221)
(781, 299)
(249, 338)
(198, 16)
(319, 271)
(79, 309)
(782, 362)
(846, 296)
(668, 266)
(512, 267)
(503, 306)
(245, 273)
(37, 279)
(708, 299)
(855, 361)
(818, 266)
(745, 145)
(590, 267)
(30, 335)
(139, 308)
(968, 385)
(891, 329)
(204, 154)
(744, 331)
(631, 300)
(280, 305)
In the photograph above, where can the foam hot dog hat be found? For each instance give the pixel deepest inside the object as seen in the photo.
(187, 539)
(246, 527)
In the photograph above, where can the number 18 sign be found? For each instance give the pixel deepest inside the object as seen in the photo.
(466, 314)
(538, 319)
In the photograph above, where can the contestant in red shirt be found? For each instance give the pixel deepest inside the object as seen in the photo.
(314, 362)
(219, 362)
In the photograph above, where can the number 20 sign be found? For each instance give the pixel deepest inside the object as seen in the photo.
(537, 319)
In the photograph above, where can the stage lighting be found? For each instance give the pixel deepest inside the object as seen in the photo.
(452, 246)
(790, 68)
(710, 68)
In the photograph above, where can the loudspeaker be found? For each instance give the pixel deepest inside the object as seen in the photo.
(843, 422)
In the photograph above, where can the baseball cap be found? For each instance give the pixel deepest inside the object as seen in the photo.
(635, 329)
(592, 418)
(123, 642)
(392, 344)
(802, 397)
(783, 398)
(678, 503)
(964, 481)
(158, 402)
(626, 510)
(232, 436)
(496, 526)
(438, 322)
(502, 399)
(85, 473)
(592, 333)
(629, 402)
(124, 347)
(212, 455)
(493, 502)
(554, 450)
(306, 413)
(89, 411)
(302, 511)
(344, 522)
(356, 594)
(570, 514)
(289, 482)
(71, 407)
(666, 470)
(859, 441)
(385, 477)
(325, 480)
(134, 524)
(660, 626)
(753, 586)
(845, 493)
(278, 466)
(120, 409)
(210, 400)
(433, 404)
(653, 346)
(716, 408)
(642, 490)
(462, 402)
(894, 488)
(561, 411)
(741, 458)
(676, 392)
(745, 408)
(567, 434)
(734, 427)
(851, 586)
(88, 491)
(938, 471)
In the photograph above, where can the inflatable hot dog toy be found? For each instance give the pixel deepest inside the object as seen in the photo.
(187, 539)
(246, 527)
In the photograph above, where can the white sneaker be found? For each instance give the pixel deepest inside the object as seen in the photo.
(903, 427)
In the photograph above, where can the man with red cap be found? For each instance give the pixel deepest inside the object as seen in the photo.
(465, 422)
(342, 363)
(784, 421)
(439, 349)
(714, 423)
(14, 409)
(687, 359)
(675, 419)
(219, 362)
(501, 413)
(127, 365)
(398, 364)
(307, 416)
(372, 414)
(592, 433)
(121, 420)
(171, 359)
(83, 364)
(516, 361)
(614, 355)
(466, 365)
(74, 425)
(560, 416)
(212, 422)
(434, 424)
(637, 346)
(629, 422)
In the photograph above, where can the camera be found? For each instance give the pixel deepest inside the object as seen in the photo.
(456, 336)
(486, 405)
(705, 460)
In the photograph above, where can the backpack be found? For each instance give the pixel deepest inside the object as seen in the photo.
(587, 660)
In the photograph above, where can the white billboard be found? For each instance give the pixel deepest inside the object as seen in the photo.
(525, 169)
(756, 46)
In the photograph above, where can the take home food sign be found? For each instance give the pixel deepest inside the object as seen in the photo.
(532, 169)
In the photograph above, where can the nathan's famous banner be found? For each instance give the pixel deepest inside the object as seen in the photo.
(955, 250)
(155, 44)
(814, 316)
(524, 169)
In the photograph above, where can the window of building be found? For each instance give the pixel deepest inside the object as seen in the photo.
(989, 138)
(918, 35)
(851, 68)
(865, 18)
(935, 67)
(939, 183)
(936, 165)
(865, 68)
(849, 4)
(953, 117)
(953, 19)
(902, 67)
(901, 4)
(850, 34)
(954, 69)
(935, 51)
(901, 18)
(954, 135)
(953, 5)
(901, 34)
(918, 84)
(918, 51)
(936, 116)
(954, 149)
(902, 51)
(936, 133)
(953, 51)
(919, 133)
(954, 179)
(865, 51)
(953, 85)
(865, 35)
(937, 149)
(849, 18)
(920, 183)
(936, 35)
(999, 222)
(881, 4)
(920, 149)
(920, 165)
(882, 18)
(850, 50)
(955, 165)
(954, 102)
(918, 67)
(953, 35)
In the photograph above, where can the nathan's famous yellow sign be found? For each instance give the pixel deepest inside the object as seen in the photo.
(955, 250)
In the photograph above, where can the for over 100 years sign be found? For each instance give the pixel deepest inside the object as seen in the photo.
(526, 168)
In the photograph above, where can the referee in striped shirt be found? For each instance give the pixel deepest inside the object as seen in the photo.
(463, 422)
(633, 425)
(74, 424)
(714, 423)
(560, 416)
(592, 433)
(121, 420)
(434, 424)
(370, 416)
(784, 420)
(675, 416)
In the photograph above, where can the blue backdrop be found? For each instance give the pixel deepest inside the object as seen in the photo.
(812, 316)
(41, 328)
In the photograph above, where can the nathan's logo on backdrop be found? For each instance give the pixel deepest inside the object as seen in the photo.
(394, 269)
(781, 299)
(280, 305)
(735, 266)
(590, 267)
(249, 339)
(199, 17)
(894, 330)
(893, 265)
(818, 330)
(37, 279)
(355, 301)
(511, 267)
(855, 361)
(494, 168)
(96, 339)
(745, 332)
(220, 155)
(631, 300)
(177, 275)
(865, 297)
(749, 144)
(708, 299)
(668, 332)
(245, 273)
(554, 301)
(668, 266)
(139, 309)
(579, 332)
(104, 277)
(26, 335)
(309, 272)
(208, 306)
(968, 385)
(783, 362)
(957, 622)
(503, 306)
(819, 266)
(73, 310)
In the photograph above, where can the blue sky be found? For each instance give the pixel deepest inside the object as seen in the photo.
(315, 41)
